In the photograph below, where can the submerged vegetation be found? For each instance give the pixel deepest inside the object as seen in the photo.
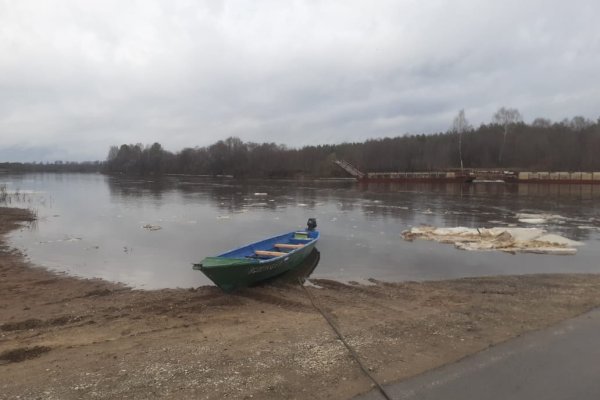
(571, 145)
(17, 197)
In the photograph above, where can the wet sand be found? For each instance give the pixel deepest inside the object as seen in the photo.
(69, 338)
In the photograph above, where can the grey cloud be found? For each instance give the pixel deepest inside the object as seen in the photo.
(77, 77)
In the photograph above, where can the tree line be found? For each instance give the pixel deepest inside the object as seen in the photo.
(505, 143)
(56, 166)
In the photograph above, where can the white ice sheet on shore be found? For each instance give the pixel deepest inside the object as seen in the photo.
(511, 240)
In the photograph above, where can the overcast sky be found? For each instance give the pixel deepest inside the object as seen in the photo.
(78, 76)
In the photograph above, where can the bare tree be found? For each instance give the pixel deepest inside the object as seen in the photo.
(112, 153)
(541, 123)
(459, 126)
(506, 117)
(579, 123)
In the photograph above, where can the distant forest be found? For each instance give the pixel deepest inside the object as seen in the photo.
(56, 166)
(506, 143)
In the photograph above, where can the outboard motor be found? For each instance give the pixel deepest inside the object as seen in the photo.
(311, 224)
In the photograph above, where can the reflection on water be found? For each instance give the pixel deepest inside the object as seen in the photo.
(92, 225)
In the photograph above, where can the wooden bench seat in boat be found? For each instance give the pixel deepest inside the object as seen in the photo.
(288, 246)
(269, 253)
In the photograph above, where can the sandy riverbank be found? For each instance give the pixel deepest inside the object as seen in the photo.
(67, 338)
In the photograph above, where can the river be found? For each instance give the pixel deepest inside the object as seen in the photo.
(92, 225)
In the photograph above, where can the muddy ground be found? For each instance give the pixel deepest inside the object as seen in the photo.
(68, 338)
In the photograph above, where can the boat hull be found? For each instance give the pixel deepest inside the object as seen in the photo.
(230, 274)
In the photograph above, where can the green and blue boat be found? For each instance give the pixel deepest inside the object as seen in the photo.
(256, 262)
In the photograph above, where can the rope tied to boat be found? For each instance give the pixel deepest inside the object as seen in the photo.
(344, 341)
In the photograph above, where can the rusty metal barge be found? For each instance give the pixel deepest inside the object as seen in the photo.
(435, 176)
(588, 178)
(473, 176)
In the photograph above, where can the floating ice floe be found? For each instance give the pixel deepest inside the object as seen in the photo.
(589, 227)
(67, 238)
(511, 240)
(497, 222)
(151, 227)
(17, 192)
(529, 218)
(532, 220)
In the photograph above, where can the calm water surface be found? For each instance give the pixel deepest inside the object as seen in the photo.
(91, 225)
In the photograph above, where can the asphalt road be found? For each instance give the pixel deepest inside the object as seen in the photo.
(561, 362)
